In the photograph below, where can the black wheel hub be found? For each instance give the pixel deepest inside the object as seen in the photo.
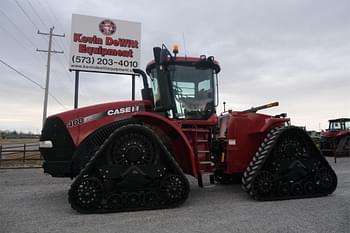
(324, 179)
(309, 187)
(291, 148)
(263, 183)
(173, 188)
(284, 189)
(133, 153)
(88, 193)
(132, 149)
(297, 189)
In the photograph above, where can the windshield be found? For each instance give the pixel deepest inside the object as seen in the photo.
(339, 125)
(193, 91)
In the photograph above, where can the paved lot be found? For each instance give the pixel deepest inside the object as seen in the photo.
(33, 202)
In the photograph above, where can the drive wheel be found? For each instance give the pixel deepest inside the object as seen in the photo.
(290, 148)
(133, 145)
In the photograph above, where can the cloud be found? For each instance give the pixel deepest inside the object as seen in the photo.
(296, 52)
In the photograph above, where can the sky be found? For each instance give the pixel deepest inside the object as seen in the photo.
(296, 52)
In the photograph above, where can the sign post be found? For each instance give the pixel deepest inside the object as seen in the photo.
(105, 46)
(76, 89)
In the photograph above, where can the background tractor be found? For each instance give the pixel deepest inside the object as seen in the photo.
(133, 155)
(335, 141)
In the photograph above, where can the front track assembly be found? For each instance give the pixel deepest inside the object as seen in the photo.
(132, 170)
(288, 165)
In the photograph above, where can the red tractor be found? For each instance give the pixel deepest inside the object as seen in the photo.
(133, 155)
(335, 141)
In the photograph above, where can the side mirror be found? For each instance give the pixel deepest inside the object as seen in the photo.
(161, 55)
(157, 54)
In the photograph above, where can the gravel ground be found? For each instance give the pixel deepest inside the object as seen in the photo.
(33, 202)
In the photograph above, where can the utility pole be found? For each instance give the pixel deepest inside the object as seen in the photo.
(49, 51)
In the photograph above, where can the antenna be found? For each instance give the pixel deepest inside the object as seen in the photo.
(184, 41)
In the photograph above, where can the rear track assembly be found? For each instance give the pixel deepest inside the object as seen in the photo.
(288, 165)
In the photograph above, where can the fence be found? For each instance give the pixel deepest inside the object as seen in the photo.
(20, 156)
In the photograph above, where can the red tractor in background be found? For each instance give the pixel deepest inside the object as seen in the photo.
(335, 141)
(133, 155)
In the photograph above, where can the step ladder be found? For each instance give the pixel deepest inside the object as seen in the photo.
(199, 140)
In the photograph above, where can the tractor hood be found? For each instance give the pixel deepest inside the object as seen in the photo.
(81, 122)
(334, 133)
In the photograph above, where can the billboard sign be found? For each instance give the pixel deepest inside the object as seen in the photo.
(104, 45)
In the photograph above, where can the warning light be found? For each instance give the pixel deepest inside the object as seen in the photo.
(175, 50)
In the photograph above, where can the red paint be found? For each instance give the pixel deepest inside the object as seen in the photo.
(248, 130)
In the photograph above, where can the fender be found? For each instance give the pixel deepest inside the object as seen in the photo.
(183, 152)
(269, 122)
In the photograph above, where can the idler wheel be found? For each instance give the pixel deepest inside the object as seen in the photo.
(263, 183)
(173, 188)
(324, 179)
(88, 193)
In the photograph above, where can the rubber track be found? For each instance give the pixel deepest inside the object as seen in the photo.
(257, 162)
(259, 158)
(89, 165)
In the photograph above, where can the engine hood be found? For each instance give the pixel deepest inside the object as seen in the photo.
(83, 121)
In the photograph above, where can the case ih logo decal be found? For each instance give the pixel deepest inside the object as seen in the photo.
(107, 27)
(99, 115)
(118, 111)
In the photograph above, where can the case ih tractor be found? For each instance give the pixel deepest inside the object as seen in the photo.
(133, 155)
(335, 141)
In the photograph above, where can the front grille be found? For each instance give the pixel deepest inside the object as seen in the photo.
(63, 145)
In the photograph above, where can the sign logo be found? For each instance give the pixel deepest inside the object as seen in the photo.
(107, 27)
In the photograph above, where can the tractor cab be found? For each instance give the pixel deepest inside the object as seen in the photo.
(183, 87)
(339, 124)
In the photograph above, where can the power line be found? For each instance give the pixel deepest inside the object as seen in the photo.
(18, 28)
(25, 13)
(32, 81)
(53, 14)
(53, 20)
(59, 102)
(36, 13)
(20, 73)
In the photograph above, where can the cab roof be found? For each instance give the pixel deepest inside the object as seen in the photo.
(339, 119)
(190, 61)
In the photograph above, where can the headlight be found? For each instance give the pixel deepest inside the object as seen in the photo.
(45, 144)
